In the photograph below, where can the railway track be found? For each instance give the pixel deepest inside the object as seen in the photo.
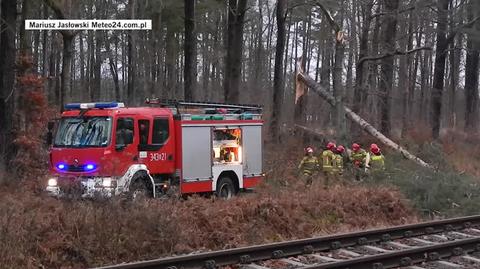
(451, 243)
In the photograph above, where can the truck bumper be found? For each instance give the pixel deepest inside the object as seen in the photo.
(91, 187)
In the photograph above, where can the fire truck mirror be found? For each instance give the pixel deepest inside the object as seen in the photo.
(49, 139)
(50, 125)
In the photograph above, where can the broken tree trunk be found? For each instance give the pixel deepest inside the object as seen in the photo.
(354, 117)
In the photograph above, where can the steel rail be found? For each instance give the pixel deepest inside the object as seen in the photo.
(303, 246)
(407, 257)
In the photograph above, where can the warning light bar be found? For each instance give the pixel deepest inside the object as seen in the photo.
(101, 105)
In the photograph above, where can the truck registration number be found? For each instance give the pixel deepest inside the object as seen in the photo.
(155, 157)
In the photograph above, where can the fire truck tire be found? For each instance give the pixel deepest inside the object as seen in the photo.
(139, 190)
(225, 188)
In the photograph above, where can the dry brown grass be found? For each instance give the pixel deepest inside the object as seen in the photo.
(38, 231)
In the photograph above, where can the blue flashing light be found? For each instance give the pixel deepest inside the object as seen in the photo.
(61, 166)
(72, 106)
(89, 167)
(100, 105)
(107, 105)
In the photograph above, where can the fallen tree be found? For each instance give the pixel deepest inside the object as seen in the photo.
(354, 117)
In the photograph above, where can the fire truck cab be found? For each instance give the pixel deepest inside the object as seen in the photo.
(107, 149)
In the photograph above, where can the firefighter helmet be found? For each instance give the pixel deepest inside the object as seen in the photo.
(355, 147)
(308, 150)
(331, 145)
(374, 148)
(340, 149)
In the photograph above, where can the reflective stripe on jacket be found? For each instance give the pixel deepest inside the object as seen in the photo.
(377, 162)
(359, 157)
(338, 163)
(309, 164)
(327, 160)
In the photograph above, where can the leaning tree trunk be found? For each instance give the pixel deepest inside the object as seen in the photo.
(354, 117)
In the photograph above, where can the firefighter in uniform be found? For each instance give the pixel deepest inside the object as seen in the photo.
(338, 160)
(359, 158)
(308, 166)
(327, 159)
(377, 160)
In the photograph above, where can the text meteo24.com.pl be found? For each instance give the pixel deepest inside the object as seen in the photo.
(87, 25)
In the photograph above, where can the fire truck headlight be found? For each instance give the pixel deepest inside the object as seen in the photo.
(90, 167)
(61, 166)
(52, 182)
(107, 182)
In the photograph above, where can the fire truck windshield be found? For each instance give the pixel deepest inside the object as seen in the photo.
(83, 132)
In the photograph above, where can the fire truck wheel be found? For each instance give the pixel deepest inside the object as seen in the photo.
(139, 190)
(225, 188)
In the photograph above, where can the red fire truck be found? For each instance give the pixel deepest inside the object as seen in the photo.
(106, 149)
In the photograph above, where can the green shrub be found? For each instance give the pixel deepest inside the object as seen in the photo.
(442, 193)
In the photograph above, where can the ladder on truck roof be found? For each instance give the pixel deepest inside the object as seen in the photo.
(209, 110)
(180, 103)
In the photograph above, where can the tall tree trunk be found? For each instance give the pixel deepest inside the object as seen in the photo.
(278, 83)
(68, 38)
(386, 64)
(363, 50)
(97, 67)
(90, 65)
(412, 79)
(7, 77)
(404, 73)
(20, 121)
(82, 66)
(65, 86)
(170, 60)
(24, 35)
(454, 58)
(131, 57)
(337, 76)
(113, 71)
(45, 42)
(471, 74)
(439, 73)
(190, 50)
(233, 67)
(259, 55)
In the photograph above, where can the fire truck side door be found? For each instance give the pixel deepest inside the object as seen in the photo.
(124, 145)
(158, 154)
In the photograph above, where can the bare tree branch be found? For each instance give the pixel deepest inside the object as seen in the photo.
(460, 27)
(410, 8)
(329, 17)
(390, 54)
(56, 8)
